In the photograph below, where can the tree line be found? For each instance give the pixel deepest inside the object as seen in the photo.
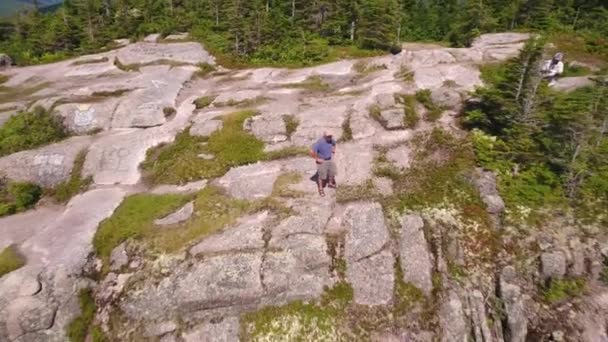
(284, 31)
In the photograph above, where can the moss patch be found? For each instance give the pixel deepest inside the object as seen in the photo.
(434, 111)
(10, 260)
(411, 117)
(78, 329)
(351, 193)
(347, 131)
(561, 289)
(91, 61)
(247, 103)
(312, 84)
(298, 321)
(76, 184)
(203, 101)
(13, 94)
(204, 69)
(179, 162)
(405, 74)
(28, 130)
(291, 124)
(281, 185)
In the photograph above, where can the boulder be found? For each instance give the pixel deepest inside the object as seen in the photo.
(82, 118)
(183, 214)
(187, 188)
(29, 314)
(206, 128)
(247, 234)
(5, 61)
(512, 298)
(177, 36)
(571, 83)
(119, 257)
(485, 181)
(223, 330)
(447, 98)
(553, 265)
(416, 260)
(152, 38)
(392, 118)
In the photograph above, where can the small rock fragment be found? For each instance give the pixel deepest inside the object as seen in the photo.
(179, 216)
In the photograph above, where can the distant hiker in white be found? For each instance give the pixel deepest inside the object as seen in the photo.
(553, 68)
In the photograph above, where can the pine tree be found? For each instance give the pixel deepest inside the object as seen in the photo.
(377, 28)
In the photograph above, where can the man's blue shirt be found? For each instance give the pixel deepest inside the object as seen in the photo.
(324, 149)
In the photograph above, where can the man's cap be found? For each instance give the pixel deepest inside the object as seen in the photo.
(558, 56)
(328, 133)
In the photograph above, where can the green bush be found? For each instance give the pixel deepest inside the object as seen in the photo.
(561, 289)
(28, 130)
(10, 260)
(78, 329)
(17, 196)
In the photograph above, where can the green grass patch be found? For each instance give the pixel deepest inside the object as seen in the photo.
(350, 193)
(406, 295)
(203, 101)
(126, 67)
(4, 78)
(78, 329)
(575, 70)
(312, 83)
(179, 162)
(375, 112)
(134, 219)
(411, 117)
(247, 103)
(299, 321)
(76, 184)
(204, 69)
(281, 185)
(364, 68)
(439, 158)
(347, 131)
(291, 124)
(562, 289)
(492, 73)
(434, 111)
(10, 260)
(405, 74)
(28, 130)
(287, 152)
(16, 197)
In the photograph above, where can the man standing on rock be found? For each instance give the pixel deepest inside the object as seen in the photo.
(323, 151)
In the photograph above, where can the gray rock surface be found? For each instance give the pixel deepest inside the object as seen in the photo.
(191, 53)
(416, 261)
(553, 264)
(82, 118)
(401, 156)
(206, 128)
(152, 38)
(270, 129)
(245, 235)
(366, 230)
(160, 328)
(485, 181)
(571, 83)
(48, 165)
(373, 279)
(510, 293)
(452, 320)
(224, 330)
(251, 181)
(183, 214)
(354, 162)
(383, 185)
(187, 188)
(119, 257)
(393, 118)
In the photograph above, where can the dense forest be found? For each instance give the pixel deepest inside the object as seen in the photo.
(294, 32)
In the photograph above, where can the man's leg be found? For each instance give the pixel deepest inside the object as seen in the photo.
(332, 171)
(322, 170)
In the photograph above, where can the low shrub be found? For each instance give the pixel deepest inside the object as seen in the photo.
(28, 130)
